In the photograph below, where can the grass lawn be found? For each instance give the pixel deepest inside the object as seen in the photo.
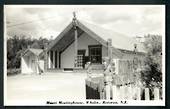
(48, 86)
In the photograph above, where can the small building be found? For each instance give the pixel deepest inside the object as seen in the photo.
(81, 42)
(32, 61)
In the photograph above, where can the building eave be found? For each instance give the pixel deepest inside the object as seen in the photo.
(59, 36)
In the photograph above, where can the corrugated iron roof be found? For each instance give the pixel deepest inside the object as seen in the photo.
(119, 40)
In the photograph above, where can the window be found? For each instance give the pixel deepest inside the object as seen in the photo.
(80, 61)
(80, 58)
(95, 53)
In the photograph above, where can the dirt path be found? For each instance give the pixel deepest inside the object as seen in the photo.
(49, 86)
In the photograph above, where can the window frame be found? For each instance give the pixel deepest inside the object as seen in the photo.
(95, 54)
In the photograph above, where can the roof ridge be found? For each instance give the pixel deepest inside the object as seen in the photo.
(91, 23)
(119, 40)
(127, 42)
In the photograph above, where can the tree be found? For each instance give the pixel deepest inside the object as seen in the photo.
(16, 45)
(152, 74)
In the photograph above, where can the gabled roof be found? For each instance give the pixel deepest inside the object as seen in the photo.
(36, 52)
(35, 45)
(119, 41)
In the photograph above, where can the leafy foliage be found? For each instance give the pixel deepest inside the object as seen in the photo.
(16, 45)
(152, 75)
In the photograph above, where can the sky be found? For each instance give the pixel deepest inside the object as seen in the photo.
(48, 21)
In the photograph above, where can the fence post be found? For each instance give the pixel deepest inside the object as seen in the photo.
(114, 92)
(130, 92)
(147, 96)
(138, 93)
(102, 94)
(108, 92)
(108, 85)
(133, 92)
(101, 89)
(118, 92)
(156, 93)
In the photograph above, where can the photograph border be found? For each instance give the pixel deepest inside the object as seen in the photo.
(20, 2)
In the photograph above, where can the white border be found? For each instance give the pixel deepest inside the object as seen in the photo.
(43, 103)
(5, 59)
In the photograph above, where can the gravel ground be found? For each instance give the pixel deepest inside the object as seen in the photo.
(48, 86)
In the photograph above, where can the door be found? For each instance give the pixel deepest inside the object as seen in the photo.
(80, 59)
(33, 65)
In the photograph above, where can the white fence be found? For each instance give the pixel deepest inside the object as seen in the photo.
(121, 80)
(122, 83)
(130, 93)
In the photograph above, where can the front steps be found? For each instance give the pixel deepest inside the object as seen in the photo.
(96, 68)
(75, 71)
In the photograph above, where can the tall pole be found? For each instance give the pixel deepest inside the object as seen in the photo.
(107, 72)
(136, 65)
(110, 49)
(75, 37)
